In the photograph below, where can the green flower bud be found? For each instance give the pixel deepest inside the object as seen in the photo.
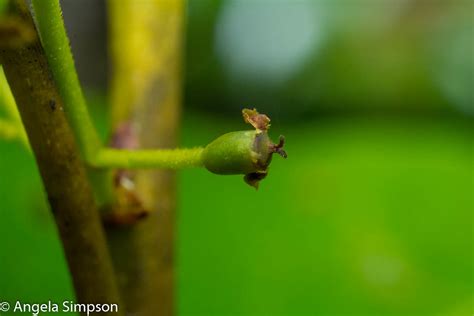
(244, 152)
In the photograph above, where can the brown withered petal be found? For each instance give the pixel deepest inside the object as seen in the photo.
(260, 121)
(278, 148)
(253, 179)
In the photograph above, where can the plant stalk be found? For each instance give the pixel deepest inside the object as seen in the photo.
(56, 45)
(171, 159)
(146, 56)
(61, 168)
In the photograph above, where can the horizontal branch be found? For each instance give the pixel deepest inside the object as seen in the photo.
(172, 159)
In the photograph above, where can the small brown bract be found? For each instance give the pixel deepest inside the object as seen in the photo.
(261, 122)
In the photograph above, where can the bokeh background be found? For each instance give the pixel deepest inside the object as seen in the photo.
(371, 214)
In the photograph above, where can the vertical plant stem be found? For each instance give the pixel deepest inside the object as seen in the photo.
(61, 168)
(58, 52)
(56, 44)
(146, 92)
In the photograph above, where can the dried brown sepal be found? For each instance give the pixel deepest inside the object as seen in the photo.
(278, 148)
(261, 122)
(253, 179)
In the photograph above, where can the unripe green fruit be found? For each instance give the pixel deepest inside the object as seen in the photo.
(242, 152)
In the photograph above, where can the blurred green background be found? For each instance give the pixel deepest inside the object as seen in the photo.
(371, 214)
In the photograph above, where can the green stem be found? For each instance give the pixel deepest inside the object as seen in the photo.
(7, 98)
(61, 167)
(3, 6)
(12, 128)
(9, 130)
(173, 159)
(56, 45)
